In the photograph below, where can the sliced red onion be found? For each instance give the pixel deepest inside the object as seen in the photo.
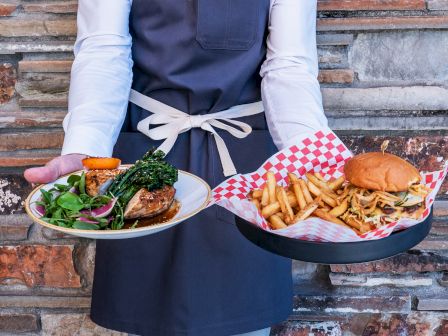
(102, 211)
(40, 209)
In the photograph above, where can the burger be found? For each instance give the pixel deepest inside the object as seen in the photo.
(382, 188)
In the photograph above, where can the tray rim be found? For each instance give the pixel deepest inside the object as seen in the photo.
(340, 243)
(36, 219)
(310, 244)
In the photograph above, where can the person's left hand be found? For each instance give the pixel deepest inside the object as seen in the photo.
(55, 168)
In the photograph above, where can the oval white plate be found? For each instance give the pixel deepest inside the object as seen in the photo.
(192, 192)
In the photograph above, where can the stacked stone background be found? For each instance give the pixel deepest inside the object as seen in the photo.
(384, 75)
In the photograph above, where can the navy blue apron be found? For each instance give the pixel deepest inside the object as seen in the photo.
(200, 277)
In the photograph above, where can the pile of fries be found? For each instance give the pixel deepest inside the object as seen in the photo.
(301, 199)
(336, 201)
(283, 206)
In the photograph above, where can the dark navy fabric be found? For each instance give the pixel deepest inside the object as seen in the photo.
(201, 277)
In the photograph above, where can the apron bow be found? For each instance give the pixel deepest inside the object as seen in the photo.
(174, 122)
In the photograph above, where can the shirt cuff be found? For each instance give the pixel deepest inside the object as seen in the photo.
(87, 140)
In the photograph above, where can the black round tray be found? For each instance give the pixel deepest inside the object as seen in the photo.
(336, 253)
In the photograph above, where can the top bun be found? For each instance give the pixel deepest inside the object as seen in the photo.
(381, 172)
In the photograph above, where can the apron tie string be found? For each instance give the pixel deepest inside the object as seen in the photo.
(174, 122)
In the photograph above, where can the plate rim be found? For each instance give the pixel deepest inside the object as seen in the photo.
(121, 231)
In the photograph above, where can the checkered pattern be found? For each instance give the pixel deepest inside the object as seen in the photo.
(324, 153)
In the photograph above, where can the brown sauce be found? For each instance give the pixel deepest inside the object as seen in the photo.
(159, 219)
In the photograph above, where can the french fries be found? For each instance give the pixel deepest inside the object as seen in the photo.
(270, 210)
(336, 184)
(328, 217)
(276, 222)
(257, 193)
(318, 192)
(272, 185)
(359, 226)
(284, 204)
(294, 180)
(265, 196)
(333, 201)
(307, 211)
(281, 215)
(340, 209)
(306, 191)
(319, 176)
(319, 183)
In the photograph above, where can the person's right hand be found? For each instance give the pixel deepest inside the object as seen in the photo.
(55, 168)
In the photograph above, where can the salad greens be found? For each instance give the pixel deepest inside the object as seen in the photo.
(69, 206)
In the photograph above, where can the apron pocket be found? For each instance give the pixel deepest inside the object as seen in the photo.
(227, 24)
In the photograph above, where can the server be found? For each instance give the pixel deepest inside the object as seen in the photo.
(209, 59)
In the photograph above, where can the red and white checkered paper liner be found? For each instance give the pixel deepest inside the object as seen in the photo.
(322, 152)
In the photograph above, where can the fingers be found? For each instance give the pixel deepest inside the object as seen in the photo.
(43, 174)
(53, 169)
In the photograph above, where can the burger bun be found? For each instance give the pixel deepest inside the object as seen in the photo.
(379, 171)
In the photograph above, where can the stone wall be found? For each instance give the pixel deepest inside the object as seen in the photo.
(384, 75)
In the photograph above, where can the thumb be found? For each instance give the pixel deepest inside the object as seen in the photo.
(53, 169)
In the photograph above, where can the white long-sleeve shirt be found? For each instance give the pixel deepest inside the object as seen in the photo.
(101, 75)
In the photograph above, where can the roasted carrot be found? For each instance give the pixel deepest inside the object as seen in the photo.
(101, 163)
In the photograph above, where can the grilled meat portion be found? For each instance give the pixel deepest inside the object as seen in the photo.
(143, 204)
(150, 203)
(95, 178)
